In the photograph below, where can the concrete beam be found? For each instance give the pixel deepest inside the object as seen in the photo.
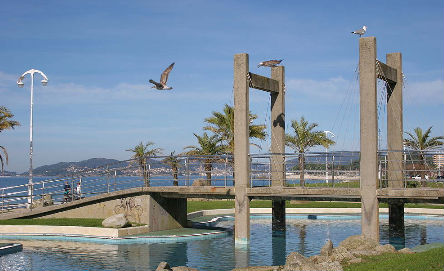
(395, 140)
(241, 148)
(369, 138)
(263, 83)
(386, 72)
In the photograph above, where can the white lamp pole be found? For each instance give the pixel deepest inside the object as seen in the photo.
(21, 84)
(326, 155)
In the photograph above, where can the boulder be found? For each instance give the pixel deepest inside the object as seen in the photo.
(330, 266)
(341, 254)
(116, 221)
(406, 251)
(359, 242)
(297, 262)
(327, 249)
(385, 249)
(183, 268)
(258, 268)
(163, 266)
(355, 260)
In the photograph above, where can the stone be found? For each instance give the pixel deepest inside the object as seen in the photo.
(183, 268)
(406, 251)
(327, 249)
(116, 221)
(297, 262)
(386, 248)
(341, 254)
(359, 242)
(355, 260)
(163, 266)
(258, 268)
(319, 259)
(330, 266)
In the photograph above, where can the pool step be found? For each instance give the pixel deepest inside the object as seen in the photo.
(9, 248)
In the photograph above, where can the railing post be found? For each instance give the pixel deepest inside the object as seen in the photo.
(226, 173)
(187, 170)
(333, 170)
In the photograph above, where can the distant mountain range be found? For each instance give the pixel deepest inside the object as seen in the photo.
(67, 168)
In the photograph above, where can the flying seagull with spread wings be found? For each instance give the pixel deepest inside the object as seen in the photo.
(270, 63)
(162, 85)
(361, 31)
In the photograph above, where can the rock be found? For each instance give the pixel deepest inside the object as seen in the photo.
(116, 221)
(319, 259)
(258, 268)
(406, 251)
(327, 249)
(163, 266)
(341, 254)
(297, 262)
(330, 266)
(201, 182)
(359, 242)
(183, 268)
(355, 260)
(386, 249)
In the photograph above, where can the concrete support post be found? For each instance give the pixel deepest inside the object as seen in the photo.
(369, 138)
(396, 223)
(278, 146)
(394, 124)
(241, 148)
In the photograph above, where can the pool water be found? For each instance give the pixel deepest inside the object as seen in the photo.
(303, 235)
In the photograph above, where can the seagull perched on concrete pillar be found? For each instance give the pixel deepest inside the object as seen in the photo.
(361, 31)
(162, 85)
(270, 63)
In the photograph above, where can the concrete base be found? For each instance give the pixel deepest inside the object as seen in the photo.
(278, 216)
(396, 223)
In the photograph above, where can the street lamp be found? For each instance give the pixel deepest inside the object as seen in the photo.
(21, 84)
(326, 155)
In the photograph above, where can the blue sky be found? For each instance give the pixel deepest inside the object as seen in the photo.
(99, 56)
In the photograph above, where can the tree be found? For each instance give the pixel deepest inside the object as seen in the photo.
(140, 156)
(174, 163)
(421, 141)
(6, 123)
(305, 138)
(222, 124)
(208, 146)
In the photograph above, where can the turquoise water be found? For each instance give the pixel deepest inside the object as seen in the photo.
(303, 235)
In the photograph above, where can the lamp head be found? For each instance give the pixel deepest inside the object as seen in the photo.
(20, 84)
(44, 82)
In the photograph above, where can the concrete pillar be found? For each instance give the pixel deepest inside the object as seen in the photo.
(394, 124)
(278, 146)
(369, 138)
(166, 213)
(396, 223)
(241, 149)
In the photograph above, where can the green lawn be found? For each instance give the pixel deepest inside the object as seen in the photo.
(430, 260)
(82, 222)
(228, 204)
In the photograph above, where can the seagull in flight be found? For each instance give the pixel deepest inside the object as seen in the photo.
(162, 85)
(270, 63)
(361, 31)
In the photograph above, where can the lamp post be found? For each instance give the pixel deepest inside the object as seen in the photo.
(21, 84)
(326, 155)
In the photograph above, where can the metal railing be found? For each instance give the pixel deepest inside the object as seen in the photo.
(321, 169)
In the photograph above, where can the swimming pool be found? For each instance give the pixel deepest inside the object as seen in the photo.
(303, 235)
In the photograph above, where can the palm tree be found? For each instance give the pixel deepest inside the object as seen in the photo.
(421, 141)
(174, 163)
(222, 124)
(5, 124)
(208, 145)
(303, 140)
(5, 119)
(140, 156)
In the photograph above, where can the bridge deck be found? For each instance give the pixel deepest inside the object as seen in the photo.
(435, 195)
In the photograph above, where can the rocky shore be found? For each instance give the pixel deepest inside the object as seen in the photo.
(351, 250)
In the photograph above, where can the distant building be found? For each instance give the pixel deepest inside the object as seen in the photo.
(438, 160)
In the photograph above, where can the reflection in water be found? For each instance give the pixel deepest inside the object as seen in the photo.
(266, 248)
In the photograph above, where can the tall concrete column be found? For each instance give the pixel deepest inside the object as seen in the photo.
(394, 124)
(278, 146)
(241, 149)
(394, 145)
(369, 138)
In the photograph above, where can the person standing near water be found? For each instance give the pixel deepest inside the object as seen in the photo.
(67, 189)
(79, 190)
